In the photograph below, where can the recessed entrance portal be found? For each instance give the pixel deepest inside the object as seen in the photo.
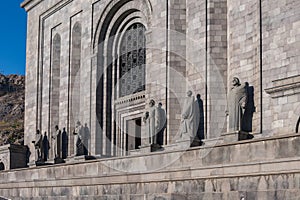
(133, 134)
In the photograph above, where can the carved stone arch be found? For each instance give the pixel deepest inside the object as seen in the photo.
(125, 26)
(109, 27)
(125, 21)
(143, 6)
(133, 17)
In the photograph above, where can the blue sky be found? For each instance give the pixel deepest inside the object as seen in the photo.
(12, 37)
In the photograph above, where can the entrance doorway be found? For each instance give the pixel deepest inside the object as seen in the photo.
(133, 134)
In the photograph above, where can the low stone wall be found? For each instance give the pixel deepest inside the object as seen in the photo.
(265, 168)
(13, 156)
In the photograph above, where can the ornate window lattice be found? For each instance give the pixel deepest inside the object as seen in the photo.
(133, 60)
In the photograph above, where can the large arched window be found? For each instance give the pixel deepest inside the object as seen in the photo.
(133, 60)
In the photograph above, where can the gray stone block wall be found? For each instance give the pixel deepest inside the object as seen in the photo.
(244, 49)
(265, 171)
(281, 65)
(226, 33)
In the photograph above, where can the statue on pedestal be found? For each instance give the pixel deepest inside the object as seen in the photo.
(188, 114)
(236, 105)
(38, 145)
(151, 123)
(160, 117)
(240, 108)
(78, 133)
(56, 143)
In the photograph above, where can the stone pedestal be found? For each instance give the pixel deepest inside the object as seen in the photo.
(179, 145)
(212, 142)
(236, 136)
(82, 158)
(145, 149)
(59, 160)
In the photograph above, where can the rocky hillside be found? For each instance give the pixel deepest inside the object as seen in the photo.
(12, 96)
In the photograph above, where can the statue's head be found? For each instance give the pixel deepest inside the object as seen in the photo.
(78, 123)
(189, 93)
(236, 81)
(151, 103)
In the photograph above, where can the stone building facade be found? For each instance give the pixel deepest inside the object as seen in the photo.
(101, 61)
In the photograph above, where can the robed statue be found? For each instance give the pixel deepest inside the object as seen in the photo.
(188, 118)
(236, 105)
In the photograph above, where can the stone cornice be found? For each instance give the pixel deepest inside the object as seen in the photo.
(29, 4)
(285, 87)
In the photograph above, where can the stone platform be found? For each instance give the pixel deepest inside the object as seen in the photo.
(254, 169)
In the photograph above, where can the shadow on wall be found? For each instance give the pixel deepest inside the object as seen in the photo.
(2, 167)
(297, 125)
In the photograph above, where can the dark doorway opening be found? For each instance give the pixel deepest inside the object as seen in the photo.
(133, 134)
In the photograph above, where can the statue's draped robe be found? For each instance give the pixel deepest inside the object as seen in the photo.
(78, 140)
(189, 125)
(150, 124)
(56, 143)
(151, 128)
(237, 98)
(38, 145)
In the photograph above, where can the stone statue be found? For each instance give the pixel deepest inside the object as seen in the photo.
(46, 147)
(56, 141)
(151, 124)
(200, 117)
(160, 117)
(64, 146)
(38, 145)
(78, 132)
(236, 105)
(188, 114)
